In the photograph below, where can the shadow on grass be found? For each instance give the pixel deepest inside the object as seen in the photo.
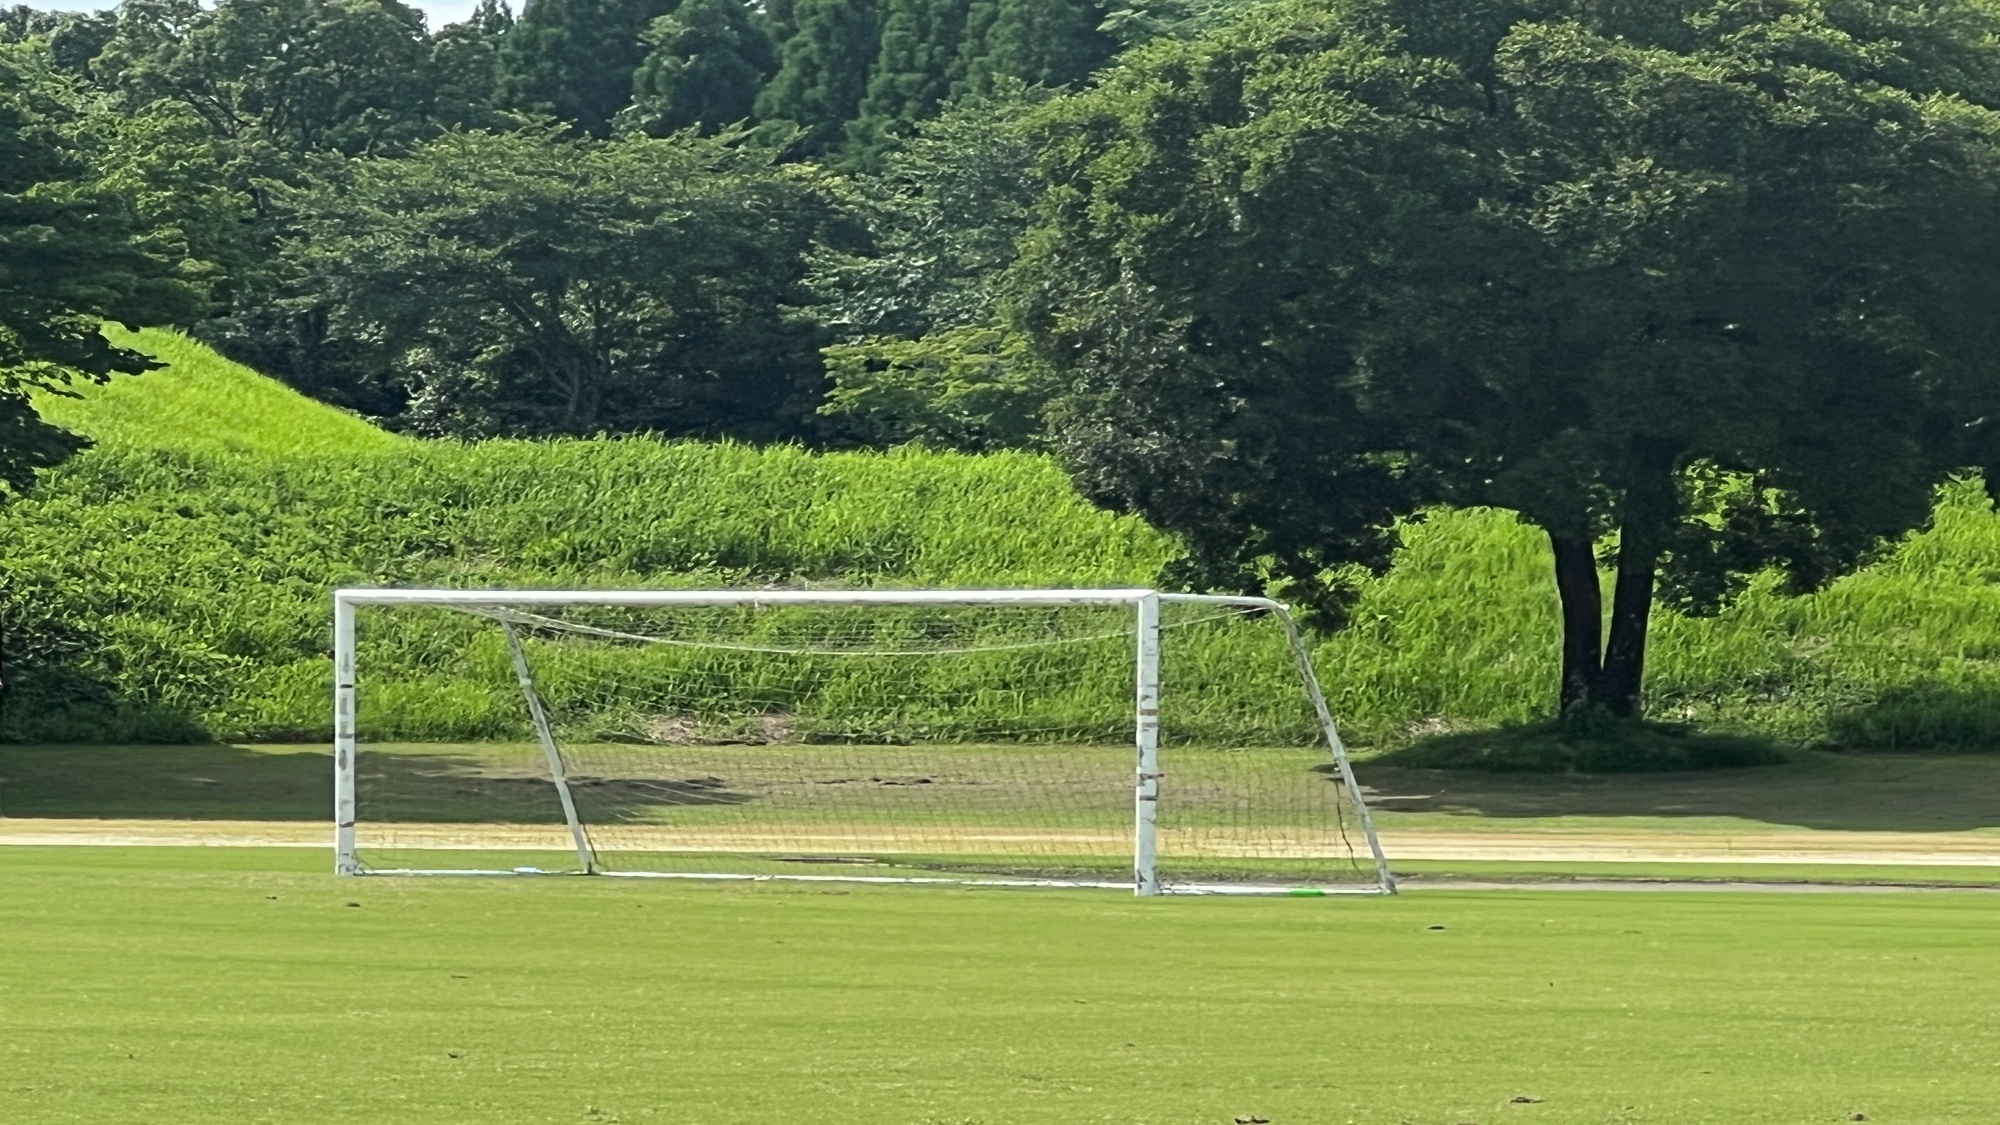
(221, 782)
(1923, 717)
(1910, 792)
(1590, 743)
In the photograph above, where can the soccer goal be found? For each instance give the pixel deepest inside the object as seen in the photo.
(1171, 743)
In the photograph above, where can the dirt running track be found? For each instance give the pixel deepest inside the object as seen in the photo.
(1913, 849)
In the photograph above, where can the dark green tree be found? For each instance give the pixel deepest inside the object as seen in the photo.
(923, 352)
(822, 71)
(1039, 42)
(465, 59)
(913, 72)
(20, 23)
(523, 283)
(274, 85)
(1714, 281)
(73, 38)
(706, 64)
(574, 59)
(73, 254)
(290, 76)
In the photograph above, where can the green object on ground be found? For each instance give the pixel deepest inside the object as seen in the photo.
(198, 985)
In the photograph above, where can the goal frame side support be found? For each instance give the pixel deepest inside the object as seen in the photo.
(1335, 745)
(538, 713)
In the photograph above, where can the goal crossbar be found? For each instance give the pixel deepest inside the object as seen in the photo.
(1145, 604)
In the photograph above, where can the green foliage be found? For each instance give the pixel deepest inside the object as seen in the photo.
(168, 584)
(929, 356)
(200, 404)
(822, 70)
(73, 252)
(465, 62)
(574, 59)
(975, 389)
(1050, 43)
(530, 283)
(72, 38)
(1340, 262)
(920, 61)
(704, 68)
(1589, 741)
(934, 52)
(280, 78)
(946, 213)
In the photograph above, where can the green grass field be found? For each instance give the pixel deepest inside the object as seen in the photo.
(170, 587)
(173, 986)
(1914, 797)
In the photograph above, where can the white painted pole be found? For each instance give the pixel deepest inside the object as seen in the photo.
(585, 855)
(1338, 748)
(1146, 791)
(345, 860)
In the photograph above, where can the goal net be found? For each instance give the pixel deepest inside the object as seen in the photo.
(1164, 742)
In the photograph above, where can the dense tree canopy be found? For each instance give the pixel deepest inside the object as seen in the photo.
(349, 76)
(706, 64)
(525, 283)
(573, 59)
(925, 353)
(1717, 278)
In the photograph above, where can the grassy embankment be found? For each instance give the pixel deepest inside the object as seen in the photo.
(256, 990)
(171, 583)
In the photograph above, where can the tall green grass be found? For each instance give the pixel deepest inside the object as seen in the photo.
(203, 403)
(172, 583)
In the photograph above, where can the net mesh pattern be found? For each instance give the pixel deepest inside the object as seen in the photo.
(879, 741)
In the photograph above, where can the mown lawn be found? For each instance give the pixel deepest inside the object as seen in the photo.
(241, 985)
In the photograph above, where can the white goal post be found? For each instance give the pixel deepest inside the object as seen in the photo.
(931, 735)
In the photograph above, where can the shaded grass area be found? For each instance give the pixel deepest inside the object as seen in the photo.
(1813, 790)
(1417, 873)
(438, 1002)
(1589, 743)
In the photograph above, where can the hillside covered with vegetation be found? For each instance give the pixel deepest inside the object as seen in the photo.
(172, 582)
(1687, 307)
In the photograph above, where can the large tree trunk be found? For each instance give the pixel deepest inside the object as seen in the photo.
(1583, 621)
(1648, 512)
(1611, 674)
(1631, 607)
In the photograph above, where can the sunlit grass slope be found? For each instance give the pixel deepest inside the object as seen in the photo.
(257, 990)
(201, 402)
(172, 583)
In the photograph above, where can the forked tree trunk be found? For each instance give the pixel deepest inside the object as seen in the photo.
(1611, 674)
